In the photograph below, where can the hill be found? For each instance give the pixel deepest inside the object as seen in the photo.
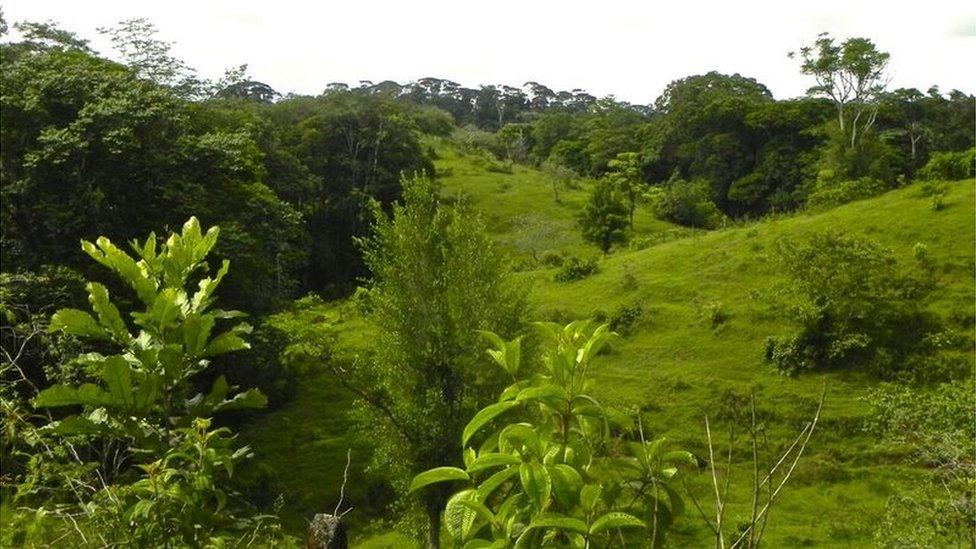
(695, 346)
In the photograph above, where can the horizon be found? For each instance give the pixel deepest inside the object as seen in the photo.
(926, 48)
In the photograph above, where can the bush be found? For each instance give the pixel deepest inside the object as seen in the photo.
(574, 268)
(687, 203)
(552, 259)
(827, 194)
(858, 308)
(625, 317)
(950, 166)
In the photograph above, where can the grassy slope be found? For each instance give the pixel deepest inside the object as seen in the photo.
(673, 364)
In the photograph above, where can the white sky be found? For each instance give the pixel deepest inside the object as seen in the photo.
(628, 49)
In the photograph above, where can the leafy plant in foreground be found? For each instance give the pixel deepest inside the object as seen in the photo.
(141, 397)
(545, 476)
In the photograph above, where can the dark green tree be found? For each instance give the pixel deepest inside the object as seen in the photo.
(603, 220)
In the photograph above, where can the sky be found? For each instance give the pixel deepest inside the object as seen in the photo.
(631, 50)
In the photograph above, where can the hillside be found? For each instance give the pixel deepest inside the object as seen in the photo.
(698, 342)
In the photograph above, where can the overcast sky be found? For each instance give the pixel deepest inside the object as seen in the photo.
(628, 49)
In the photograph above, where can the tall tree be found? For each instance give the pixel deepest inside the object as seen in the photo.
(852, 75)
(625, 172)
(437, 278)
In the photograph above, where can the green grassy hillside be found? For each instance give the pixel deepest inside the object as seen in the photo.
(698, 342)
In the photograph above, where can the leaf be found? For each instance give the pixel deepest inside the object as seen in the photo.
(228, 341)
(458, 518)
(593, 346)
(117, 375)
(485, 415)
(61, 395)
(479, 508)
(492, 459)
(486, 488)
(566, 485)
(247, 400)
(536, 483)
(559, 522)
(108, 313)
(681, 456)
(134, 274)
(615, 519)
(78, 323)
(589, 496)
(437, 474)
(553, 396)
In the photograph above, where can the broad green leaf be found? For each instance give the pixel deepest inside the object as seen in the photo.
(196, 332)
(228, 341)
(77, 322)
(437, 474)
(492, 459)
(117, 375)
(458, 518)
(108, 314)
(589, 496)
(485, 415)
(552, 395)
(485, 544)
(486, 488)
(479, 508)
(681, 456)
(566, 485)
(560, 522)
(615, 519)
(61, 395)
(106, 253)
(536, 483)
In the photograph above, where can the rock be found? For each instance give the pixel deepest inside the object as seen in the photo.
(326, 532)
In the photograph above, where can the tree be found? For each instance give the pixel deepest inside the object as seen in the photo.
(852, 75)
(436, 278)
(625, 172)
(603, 220)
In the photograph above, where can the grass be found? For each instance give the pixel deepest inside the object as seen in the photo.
(701, 338)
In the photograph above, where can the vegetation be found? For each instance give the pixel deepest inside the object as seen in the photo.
(382, 234)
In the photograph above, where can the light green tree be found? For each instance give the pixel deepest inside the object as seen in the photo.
(436, 279)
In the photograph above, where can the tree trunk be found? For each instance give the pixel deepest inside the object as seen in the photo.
(434, 528)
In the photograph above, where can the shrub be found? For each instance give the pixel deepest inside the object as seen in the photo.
(626, 316)
(713, 314)
(858, 308)
(949, 166)
(574, 268)
(687, 203)
(827, 194)
(543, 475)
(552, 259)
(169, 484)
(432, 120)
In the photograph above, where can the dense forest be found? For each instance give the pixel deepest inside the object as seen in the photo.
(480, 317)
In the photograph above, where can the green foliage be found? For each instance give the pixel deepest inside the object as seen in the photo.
(686, 203)
(436, 279)
(949, 166)
(936, 425)
(829, 194)
(141, 397)
(542, 475)
(604, 219)
(858, 309)
(574, 268)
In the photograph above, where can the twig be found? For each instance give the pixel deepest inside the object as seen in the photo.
(342, 489)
